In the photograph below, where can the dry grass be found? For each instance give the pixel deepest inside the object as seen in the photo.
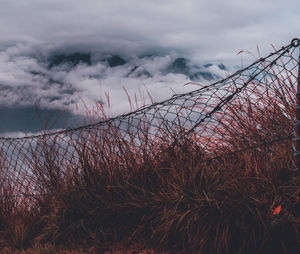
(121, 197)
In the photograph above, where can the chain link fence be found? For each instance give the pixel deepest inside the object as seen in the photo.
(249, 110)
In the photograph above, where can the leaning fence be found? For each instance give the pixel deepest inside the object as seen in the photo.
(253, 109)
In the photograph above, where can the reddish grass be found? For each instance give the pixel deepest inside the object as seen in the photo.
(183, 198)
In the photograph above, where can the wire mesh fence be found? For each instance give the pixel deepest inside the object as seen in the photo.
(251, 110)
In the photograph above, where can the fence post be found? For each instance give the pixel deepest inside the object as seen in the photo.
(296, 144)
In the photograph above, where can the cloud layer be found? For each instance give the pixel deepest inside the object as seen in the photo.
(205, 29)
(29, 77)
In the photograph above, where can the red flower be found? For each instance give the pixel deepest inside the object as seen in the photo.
(108, 187)
(277, 210)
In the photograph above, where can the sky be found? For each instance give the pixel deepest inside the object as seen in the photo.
(202, 31)
(206, 29)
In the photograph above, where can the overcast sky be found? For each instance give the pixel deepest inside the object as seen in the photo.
(203, 31)
(214, 29)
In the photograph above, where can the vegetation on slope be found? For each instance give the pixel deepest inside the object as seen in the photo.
(155, 196)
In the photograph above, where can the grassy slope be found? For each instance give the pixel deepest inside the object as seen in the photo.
(172, 199)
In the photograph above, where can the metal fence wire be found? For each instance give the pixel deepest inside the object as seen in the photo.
(251, 110)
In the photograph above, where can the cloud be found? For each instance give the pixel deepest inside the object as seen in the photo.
(149, 35)
(204, 29)
(26, 79)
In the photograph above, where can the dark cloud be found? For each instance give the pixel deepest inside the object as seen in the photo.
(209, 29)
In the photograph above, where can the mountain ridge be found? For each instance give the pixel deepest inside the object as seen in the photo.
(177, 65)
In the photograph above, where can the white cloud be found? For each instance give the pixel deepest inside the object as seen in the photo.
(25, 80)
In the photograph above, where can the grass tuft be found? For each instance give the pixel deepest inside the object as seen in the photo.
(157, 197)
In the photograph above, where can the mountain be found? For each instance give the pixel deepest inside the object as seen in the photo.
(71, 59)
(180, 65)
(137, 67)
(115, 60)
(208, 71)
